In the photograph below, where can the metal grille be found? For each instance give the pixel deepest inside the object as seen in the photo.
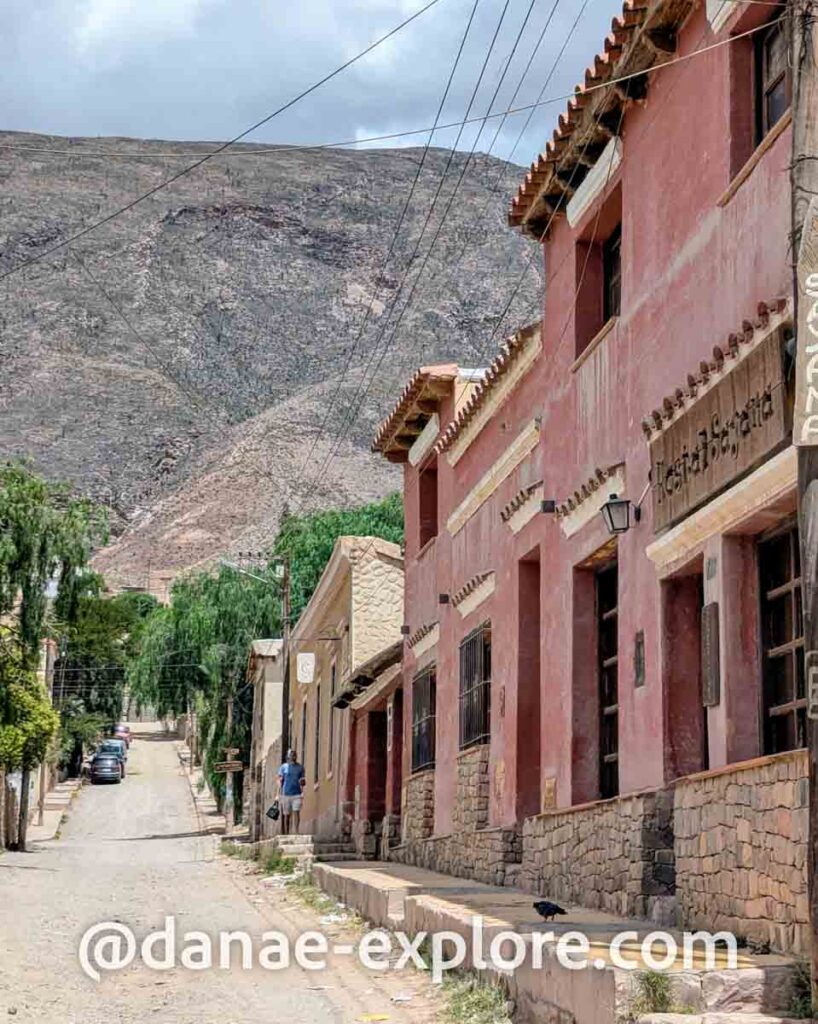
(475, 687)
(424, 699)
(782, 643)
(316, 765)
(607, 588)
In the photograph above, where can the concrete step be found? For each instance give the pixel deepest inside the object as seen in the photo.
(322, 848)
(712, 1018)
(333, 858)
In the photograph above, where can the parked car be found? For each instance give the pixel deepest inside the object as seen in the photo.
(116, 747)
(106, 768)
(123, 732)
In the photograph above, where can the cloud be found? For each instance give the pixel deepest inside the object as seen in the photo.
(104, 28)
(205, 69)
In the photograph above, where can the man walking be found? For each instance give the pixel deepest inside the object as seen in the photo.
(291, 783)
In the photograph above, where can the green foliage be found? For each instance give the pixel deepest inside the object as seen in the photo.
(101, 640)
(471, 1001)
(192, 655)
(308, 540)
(28, 722)
(43, 533)
(801, 1007)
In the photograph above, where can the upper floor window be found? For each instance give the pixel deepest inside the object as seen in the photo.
(598, 268)
(612, 275)
(427, 503)
(773, 77)
(475, 687)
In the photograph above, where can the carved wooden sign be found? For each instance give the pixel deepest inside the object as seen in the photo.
(734, 426)
(711, 658)
(805, 418)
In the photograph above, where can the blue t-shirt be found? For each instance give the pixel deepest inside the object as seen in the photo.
(291, 776)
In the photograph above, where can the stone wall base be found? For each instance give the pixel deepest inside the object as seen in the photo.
(613, 855)
(741, 847)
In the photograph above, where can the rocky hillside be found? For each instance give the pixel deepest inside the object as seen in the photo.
(178, 363)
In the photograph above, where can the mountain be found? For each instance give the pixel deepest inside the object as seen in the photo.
(180, 362)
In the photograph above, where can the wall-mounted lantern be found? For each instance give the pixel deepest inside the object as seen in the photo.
(620, 514)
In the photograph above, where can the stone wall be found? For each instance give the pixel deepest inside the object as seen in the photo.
(471, 808)
(472, 850)
(741, 850)
(418, 812)
(614, 855)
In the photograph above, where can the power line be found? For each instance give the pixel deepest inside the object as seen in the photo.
(346, 426)
(220, 149)
(395, 234)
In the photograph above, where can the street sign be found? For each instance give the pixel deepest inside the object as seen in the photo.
(805, 420)
(228, 766)
(305, 667)
(231, 752)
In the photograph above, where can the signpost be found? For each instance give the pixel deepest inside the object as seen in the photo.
(801, 16)
(228, 767)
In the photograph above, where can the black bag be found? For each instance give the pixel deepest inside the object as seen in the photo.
(273, 811)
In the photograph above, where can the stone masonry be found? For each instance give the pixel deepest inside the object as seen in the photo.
(419, 806)
(471, 808)
(614, 855)
(741, 850)
(473, 850)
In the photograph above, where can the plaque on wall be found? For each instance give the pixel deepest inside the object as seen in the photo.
(711, 659)
(736, 424)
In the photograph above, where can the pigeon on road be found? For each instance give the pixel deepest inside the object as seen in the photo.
(548, 910)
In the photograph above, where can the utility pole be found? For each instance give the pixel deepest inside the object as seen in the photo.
(802, 16)
(229, 813)
(285, 633)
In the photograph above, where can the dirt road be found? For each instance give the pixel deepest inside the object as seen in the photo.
(132, 853)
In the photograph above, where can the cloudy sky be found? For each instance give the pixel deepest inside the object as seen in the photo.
(206, 69)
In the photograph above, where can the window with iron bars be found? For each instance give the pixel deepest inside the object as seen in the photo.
(424, 699)
(782, 642)
(475, 687)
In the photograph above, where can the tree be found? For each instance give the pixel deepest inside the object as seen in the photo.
(193, 654)
(28, 723)
(45, 535)
(308, 540)
(98, 644)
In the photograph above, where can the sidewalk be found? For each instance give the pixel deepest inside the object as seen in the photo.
(211, 820)
(409, 899)
(57, 804)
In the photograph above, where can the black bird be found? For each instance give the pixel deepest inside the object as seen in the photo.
(548, 910)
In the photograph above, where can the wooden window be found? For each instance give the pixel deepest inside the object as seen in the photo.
(475, 687)
(612, 275)
(773, 77)
(330, 748)
(782, 642)
(427, 504)
(316, 764)
(607, 598)
(424, 706)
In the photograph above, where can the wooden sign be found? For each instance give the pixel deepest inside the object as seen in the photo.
(228, 766)
(231, 752)
(805, 416)
(741, 420)
(711, 656)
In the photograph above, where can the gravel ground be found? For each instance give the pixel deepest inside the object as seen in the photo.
(133, 853)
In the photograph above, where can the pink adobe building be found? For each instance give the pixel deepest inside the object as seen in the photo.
(616, 719)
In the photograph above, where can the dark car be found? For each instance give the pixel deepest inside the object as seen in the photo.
(106, 768)
(114, 748)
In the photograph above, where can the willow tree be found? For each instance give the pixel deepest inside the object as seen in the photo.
(45, 536)
(193, 657)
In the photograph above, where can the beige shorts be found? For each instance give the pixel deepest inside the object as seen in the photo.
(290, 804)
